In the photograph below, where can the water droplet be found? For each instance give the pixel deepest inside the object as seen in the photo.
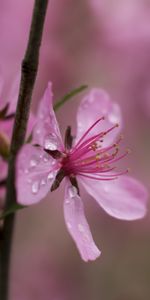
(38, 131)
(69, 225)
(79, 124)
(33, 163)
(112, 118)
(45, 159)
(50, 176)
(72, 191)
(80, 227)
(67, 201)
(43, 182)
(35, 187)
(51, 142)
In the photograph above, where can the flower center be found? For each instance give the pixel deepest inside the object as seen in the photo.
(90, 158)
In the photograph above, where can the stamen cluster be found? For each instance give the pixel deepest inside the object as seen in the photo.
(89, 158)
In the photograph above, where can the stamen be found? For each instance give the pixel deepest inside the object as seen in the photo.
(97, 178)
(90, 128)
(89, 159)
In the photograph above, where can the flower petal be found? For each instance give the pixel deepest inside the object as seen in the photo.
(95, 105)
(77, 224)
(124, 198)
(46, 132)
(7, 126)
(35, 174)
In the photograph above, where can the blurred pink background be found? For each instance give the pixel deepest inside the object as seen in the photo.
(103, 44)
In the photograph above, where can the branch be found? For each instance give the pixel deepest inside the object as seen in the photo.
(28, 76)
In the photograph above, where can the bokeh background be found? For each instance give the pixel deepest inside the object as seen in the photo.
(102, 43)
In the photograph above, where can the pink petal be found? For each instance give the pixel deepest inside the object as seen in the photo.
(6, 127)
(35, 174)
(95, 105)
(46, 132)
(77, 224)
(123, 198)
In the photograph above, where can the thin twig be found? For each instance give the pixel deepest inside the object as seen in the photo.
(68, 96)
(28, 76)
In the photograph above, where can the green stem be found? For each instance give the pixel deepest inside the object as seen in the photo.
(68, 96)
(28, 76)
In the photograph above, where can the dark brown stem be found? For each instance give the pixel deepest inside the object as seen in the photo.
(28, 76)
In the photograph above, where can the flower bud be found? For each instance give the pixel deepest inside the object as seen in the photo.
(4, 146)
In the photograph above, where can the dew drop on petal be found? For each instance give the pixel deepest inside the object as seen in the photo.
(67, 201)
(50, 176)
(69, 225)
(35, 187)
(80, 227)
(113, 118)
(51, 142)
(72, 191)
(45, 159)
(38, 131)
(43, 182)
(33, 163)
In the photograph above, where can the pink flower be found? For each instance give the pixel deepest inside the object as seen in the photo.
(89, 159)
(6, 122)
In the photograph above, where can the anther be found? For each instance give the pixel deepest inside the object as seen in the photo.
(97, 157)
